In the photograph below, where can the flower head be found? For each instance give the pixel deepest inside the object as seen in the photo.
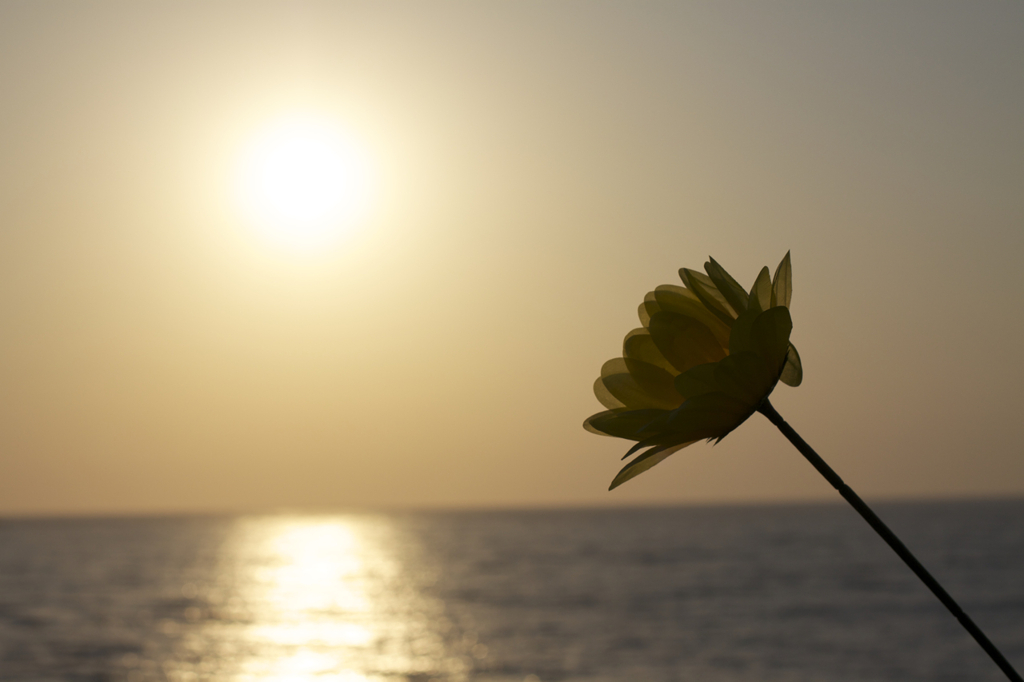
(706, 357)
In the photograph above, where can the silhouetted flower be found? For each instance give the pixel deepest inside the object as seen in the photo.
(707, 356)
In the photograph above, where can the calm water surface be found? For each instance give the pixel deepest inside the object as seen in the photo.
(653, 595)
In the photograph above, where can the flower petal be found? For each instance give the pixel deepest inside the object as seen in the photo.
(622, 423)
(745, 376)
(684, 341)
(782, 285)
(656, 382)
(793, 372)
(639, 345)
(645, 461)
(675, 299)
(623, 385)
(648, 308)
(705, 289)
(697, 381)
(711, 415)
(761, 292)
(605, 397)
(658, 439)
(770, 334)
(589, 426)
(735, 294)
(739, 340)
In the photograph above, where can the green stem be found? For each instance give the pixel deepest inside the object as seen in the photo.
(890, 538)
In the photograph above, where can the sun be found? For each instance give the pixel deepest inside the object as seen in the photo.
(303, 183)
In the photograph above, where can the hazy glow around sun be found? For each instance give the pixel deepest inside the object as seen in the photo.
(303, 183)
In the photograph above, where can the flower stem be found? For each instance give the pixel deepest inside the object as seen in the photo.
(890, 538)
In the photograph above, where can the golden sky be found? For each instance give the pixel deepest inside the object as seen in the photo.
(531, 170)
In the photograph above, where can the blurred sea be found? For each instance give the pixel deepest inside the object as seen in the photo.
(767, 593)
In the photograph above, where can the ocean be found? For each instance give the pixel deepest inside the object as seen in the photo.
(707, 594)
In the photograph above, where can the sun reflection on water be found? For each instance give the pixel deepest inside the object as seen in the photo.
(319, 573)
(318, 598)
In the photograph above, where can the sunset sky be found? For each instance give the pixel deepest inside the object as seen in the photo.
(521, 174)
